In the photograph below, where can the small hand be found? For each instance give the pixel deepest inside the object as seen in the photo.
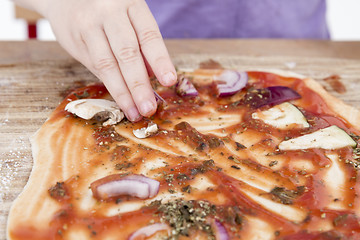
(115, 40)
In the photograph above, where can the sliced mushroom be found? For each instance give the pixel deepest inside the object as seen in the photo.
(330, 138)
(146, 131)
(99, 109)
(283, 116)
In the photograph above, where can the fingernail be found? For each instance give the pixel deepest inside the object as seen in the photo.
(133, 114)
(146, 108)
(168, 78)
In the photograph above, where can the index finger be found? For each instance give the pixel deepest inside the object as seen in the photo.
(125, 47)
(151, 43)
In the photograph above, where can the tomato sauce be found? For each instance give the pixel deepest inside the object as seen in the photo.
(180, 172)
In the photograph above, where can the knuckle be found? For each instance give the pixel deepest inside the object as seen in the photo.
(148, 36)
(124, 98)
(105, 64)
(128, 54)
(137, 85)
(161, 61)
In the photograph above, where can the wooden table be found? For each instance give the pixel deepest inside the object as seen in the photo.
(14, 52)
(35, 76)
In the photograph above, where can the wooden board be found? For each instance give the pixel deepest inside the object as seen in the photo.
(30, 91)
(33, 50)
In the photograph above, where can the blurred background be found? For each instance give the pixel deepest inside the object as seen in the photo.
(343, 20)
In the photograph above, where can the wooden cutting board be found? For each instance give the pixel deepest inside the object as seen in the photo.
(30, 91)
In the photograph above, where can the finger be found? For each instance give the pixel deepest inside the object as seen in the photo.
(148, 68)
(105, 66)
(78, 49)
(151, 43)
(126, 49)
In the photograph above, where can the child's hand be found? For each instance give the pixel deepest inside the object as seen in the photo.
(114, 39)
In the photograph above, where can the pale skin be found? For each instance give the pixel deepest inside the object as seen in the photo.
(118, 41)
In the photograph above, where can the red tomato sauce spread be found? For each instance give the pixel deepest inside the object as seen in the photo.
(223, 159)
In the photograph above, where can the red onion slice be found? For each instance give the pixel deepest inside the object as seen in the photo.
(118, 185)
(158, 98)
(185, 88)
(280, 94)
(220, 230)
(153, 184)
(270, 96)
(230, 82)
(149, 230)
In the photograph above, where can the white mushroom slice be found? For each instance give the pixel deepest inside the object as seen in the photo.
(146, 131)
(99, 109)
(282, 116)
(331, 137)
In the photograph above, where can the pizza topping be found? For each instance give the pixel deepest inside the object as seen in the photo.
(101, 110)
(355, 162)
(273, 163)
(269, 96)
(149, 230)
(85, 94)
(283, 116)
(146, 131)
(220, 230)
(286, 196)
(331, 137)
(192, 137)
(185, 88)
(186, 189)
(104, 136)
(356, 154)
(158, 98)
(239, 146)
(119, 185)
(184, 216)
(230, 82)
(204, 167)
(58, 191)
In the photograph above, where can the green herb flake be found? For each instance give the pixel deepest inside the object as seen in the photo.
(286, 196)
(85, 94)
(273, 163)
(239, 146)
(184, 216)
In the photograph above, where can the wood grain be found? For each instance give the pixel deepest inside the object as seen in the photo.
(32, 50)
(30, 91)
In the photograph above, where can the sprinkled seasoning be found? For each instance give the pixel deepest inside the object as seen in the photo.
(354, 136)
(85, 94)
(239, 146)
(186, 189)
(58, 191)
(124, 165)
(273, 163)
(285, 196)
(355, 162)
(184, 216)
(254, 96)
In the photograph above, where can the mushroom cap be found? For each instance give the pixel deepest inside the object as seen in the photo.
(99, 109)
(146, 131)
